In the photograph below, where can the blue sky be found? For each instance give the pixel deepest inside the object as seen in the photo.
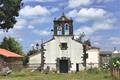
(99, 19)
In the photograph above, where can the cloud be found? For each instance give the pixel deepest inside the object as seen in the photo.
(32, 16)
(102, 26)
(72, 13)
(30, 27)
(41, 32)
(96, 38)
(34, 11)
(115, 40)
(96, 43)
(40, 0)
(54, 9)
(21, 23)
(94, 19)
(86, 14)
(84, 29)
(44, 0)
(30, 23)
(39, 20)
(19, 39)
(1, 32)
(11, 33)
(77, 3)
(103, 1)
(80, 3)
(97, 26)
(62, 4)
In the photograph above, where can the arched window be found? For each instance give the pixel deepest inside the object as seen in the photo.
(59, 30)
(66, 28)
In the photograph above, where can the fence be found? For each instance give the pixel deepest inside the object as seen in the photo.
(115, 73)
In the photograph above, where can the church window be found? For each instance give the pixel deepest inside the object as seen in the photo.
(64, 46)
(59, 30)
(66, 28)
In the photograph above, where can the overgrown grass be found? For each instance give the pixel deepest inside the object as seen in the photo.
(83, 75)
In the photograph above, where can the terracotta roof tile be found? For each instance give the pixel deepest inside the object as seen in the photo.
(7, 53)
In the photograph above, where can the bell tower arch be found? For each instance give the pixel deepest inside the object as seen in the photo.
(63, 26)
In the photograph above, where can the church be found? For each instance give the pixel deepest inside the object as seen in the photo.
(63, 53)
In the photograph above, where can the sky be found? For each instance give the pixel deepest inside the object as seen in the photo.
(98, 19)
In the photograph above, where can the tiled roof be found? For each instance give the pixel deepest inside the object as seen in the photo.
(7, 53)
(92, 47)
(63, 18)
(105, 52)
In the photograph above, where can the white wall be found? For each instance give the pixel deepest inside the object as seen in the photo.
(93, 58)
(35, 61)
(74, 52)
(53, 51)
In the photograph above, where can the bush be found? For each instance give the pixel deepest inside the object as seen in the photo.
(93, 70)
(105, 67)
(115, 62)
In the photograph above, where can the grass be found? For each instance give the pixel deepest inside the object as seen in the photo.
(83, 75)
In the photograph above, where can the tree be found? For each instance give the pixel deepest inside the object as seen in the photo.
(35, 49)
(8, 11)
(31, 52)
(87, 42)
(12, 45)
(26, 60)
(80, 38)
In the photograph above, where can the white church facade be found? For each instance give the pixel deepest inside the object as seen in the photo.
(63, 53)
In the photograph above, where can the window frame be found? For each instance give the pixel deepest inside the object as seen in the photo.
(63, 46)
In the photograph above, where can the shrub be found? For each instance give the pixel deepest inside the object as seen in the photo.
(115, 62)
(105, 66)
(93, 70)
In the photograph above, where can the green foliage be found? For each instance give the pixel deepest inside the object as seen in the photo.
(105, 67)
(31, 52)
(115, 62)
(25, 61)
(87, 42)
(12, 45)
(8, 11)
(93, 70)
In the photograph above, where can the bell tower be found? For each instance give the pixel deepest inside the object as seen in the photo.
(63, 26)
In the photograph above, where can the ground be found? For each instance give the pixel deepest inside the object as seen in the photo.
(83, 75)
